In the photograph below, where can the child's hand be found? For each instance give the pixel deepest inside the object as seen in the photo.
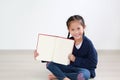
(71, 57)
(35, 54)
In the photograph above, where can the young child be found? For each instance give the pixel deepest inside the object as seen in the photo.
(83, 59)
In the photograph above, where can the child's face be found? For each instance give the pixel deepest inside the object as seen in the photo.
(76, 30)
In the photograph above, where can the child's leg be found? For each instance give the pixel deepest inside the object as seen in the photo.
(73, 73)
(57, 70)
(83, 74)
(78, 74)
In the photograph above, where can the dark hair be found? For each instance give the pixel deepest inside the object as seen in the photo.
(75, 18)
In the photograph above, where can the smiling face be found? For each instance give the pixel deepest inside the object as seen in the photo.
(76, 29)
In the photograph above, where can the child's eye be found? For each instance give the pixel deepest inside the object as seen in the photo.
(78, 28)
(72, 29)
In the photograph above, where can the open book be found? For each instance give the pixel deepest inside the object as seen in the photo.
(54, 48)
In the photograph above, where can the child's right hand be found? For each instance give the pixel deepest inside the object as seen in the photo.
(35, 54)
(71, 57)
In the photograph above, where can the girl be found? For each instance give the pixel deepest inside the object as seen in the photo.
(83, 59)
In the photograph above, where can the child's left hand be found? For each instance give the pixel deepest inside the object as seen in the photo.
(35, 54)
(71, 57)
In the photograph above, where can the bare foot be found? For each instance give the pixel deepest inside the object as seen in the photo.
(66, 78)
(51, 77)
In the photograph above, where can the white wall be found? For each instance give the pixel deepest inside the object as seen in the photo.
(22, 20)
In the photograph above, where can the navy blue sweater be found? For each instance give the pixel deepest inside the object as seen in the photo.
(86, 56)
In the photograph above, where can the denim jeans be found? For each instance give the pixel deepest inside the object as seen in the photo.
(62, 71)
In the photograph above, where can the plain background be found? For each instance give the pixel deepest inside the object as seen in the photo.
(22, 20)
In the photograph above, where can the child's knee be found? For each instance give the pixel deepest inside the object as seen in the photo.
(83, 75)
(80, 76)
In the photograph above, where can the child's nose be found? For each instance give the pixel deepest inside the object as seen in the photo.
(76, 31)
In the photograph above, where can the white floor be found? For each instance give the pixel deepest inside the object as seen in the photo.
(20, 65)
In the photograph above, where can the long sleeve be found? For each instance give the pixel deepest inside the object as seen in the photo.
(86, 56)
(89, 60)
